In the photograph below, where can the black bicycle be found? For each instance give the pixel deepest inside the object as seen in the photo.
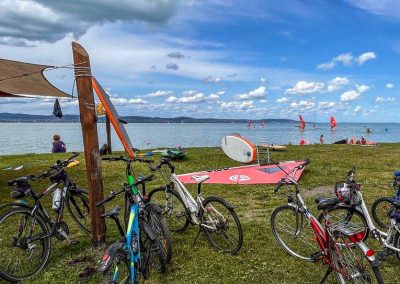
(25, 230)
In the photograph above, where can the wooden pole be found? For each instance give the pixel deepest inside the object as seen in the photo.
(108, 128)
(90, 140)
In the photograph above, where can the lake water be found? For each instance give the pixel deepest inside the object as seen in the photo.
(18, 138)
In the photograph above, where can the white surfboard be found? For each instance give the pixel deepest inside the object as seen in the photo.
(239, 149)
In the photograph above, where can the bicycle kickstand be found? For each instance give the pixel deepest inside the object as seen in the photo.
(197, 236)
(326, 275)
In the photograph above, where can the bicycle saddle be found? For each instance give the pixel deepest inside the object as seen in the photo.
(200, 179)
(324, 203)
(113, 212)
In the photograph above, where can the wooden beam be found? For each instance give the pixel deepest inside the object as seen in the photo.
(108, 128)
(88, 119)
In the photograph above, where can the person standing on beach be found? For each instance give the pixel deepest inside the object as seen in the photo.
(58, 145)
(321, 139)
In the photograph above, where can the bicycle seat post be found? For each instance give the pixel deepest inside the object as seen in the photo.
(199, 188)
(117, 222)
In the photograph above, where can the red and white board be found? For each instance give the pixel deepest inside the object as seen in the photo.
(250, 174)
(239, 149)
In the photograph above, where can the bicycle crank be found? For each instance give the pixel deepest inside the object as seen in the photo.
(62, 231)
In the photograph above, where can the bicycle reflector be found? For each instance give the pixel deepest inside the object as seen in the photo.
(357, 237)
(342, 192)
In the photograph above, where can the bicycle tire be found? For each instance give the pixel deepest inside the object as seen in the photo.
(221, 228)
(82, 214)
(110, 274)
(396, 243)
(157, 222)
(177, 219)
(381, 221)
(152, 251)
(303, 237)
(351, 213)
(45, 243)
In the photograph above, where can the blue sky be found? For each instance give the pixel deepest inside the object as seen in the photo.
(200, 58)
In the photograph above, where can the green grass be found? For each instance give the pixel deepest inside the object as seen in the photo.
(261, 260)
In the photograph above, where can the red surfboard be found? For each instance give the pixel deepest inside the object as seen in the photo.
(112, 114)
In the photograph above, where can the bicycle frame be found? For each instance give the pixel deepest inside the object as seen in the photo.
(133, 229)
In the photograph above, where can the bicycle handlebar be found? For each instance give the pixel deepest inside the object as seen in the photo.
(279, 185)
(290, 180)
(126, 188)
(163, 161)
(128, 160)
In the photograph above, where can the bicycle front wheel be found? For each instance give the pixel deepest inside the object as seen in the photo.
(293, 233)
(350, 264)
(23, 248)
(78, 206)
(172, 207)
(221, 225)
(380, 209)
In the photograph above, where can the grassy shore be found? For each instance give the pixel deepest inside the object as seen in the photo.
(261, 260)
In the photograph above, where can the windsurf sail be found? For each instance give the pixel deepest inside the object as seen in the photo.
(302, 122)
(333, 122)
(251, 174)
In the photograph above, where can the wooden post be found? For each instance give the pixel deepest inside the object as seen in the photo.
(90, 140)
(108, 128)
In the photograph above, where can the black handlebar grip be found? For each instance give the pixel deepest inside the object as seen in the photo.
(278, 186)
(74, 155)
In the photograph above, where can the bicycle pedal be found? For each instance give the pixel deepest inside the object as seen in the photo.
(381, 256)
(75, 242)
(317, 256)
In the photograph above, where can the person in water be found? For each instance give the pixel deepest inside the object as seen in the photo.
(58, 145)
(321, 139)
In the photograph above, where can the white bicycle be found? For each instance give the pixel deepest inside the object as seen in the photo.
(215, 216)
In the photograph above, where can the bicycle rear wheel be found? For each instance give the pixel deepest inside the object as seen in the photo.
(293, 233)
(221, 225)
(78, 206)
(119, 270)
(380, 209)
(350, 264)
(24, 252)
(158, 224)
(152, 255)
(172, 207)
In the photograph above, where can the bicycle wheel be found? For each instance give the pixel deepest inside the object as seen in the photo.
(293, 233)
(221, 225)
(349, 262)
(119, 270)
(152, 254)
(172, 207)
(158, 224)
(78, 206)
(397, 243)
(24, 253)
(347, 215)
(380, 209)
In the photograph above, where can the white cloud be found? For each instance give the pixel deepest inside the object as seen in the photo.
(304, 88)
(326, 66)
(362, 88)
(345, 58)
(211, 79)
(237, 105)
(389, 86)
(176, 54)
(302, 105)
(349, 96)
(124, 101)
(384, 100)
(337, 83)
(160, 94)
(258, 93)
(326, 105)
(190, 97)
(282, 100)
(357, 109)
(365, 57)
(263, 80)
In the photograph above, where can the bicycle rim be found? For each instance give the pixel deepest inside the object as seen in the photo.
(293, 233)
(221, 225)
(21, 258)
(78, 207)
(379, 210)
(350, 264)
(153, 251)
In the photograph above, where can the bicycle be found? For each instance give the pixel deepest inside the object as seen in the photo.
(385, 208)
(336, 243)
(26, 230)
(128, 259)
(180, 208)
(353, 206)
(156, 218)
